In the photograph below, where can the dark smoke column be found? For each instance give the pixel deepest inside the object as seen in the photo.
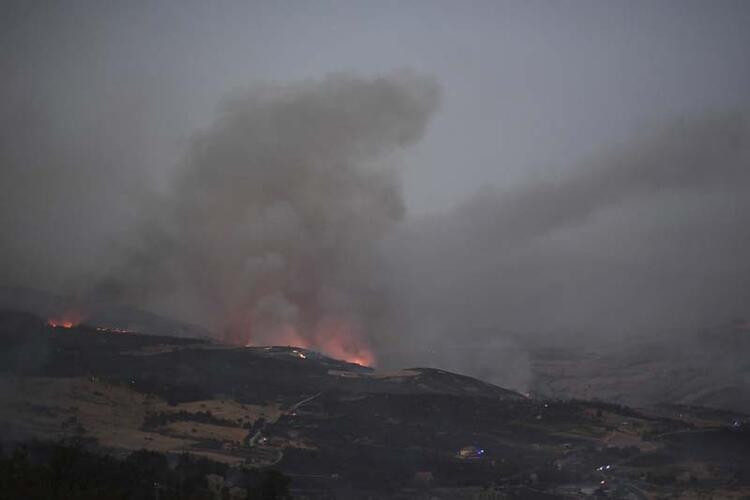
(269, 232)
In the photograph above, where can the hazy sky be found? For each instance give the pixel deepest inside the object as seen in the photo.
(564, 166)
(529, 87)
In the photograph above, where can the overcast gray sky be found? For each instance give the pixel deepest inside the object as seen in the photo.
(529, 86)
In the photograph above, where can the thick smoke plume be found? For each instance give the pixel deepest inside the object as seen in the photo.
(703, 154)
(269, 232)
(650, 237)
(284, 223)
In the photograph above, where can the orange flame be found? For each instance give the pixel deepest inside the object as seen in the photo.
(67, 319)
(340, 340)
(60, 323)
(335, 338)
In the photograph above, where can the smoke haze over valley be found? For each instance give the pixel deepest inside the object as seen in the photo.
(390, 184)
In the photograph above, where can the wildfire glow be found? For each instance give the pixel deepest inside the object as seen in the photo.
(334, 338)
(60, 323)
(339, 340)
(67, 319)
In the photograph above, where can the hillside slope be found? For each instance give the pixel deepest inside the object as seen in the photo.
(341, 430)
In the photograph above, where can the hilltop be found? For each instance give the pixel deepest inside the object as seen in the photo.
(342, 430)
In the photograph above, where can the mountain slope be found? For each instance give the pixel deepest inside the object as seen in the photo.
(346, 431)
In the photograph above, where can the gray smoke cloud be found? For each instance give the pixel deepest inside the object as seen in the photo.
(699, 153)
(285, 223)
(269, 231)
(651, 236)
(283, 219)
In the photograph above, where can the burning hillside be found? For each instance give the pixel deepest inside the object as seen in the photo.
(67, 319)
(335, 338)
(61, 323)
(269, 233)
(321, 421)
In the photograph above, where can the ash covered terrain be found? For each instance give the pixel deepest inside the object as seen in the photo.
(341, 430)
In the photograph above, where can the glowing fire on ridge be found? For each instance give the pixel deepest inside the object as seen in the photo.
(338, 339)
(334, 338)
(67, 319)
(60, 323)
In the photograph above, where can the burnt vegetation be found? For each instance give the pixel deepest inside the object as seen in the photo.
(344, 432)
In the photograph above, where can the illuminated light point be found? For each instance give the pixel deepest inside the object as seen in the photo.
(60, 323)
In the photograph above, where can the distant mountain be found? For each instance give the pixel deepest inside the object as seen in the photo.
(104, 314)
(708, 368)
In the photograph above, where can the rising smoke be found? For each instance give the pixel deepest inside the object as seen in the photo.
(268, 234)
(284, 223)
(651, 237)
